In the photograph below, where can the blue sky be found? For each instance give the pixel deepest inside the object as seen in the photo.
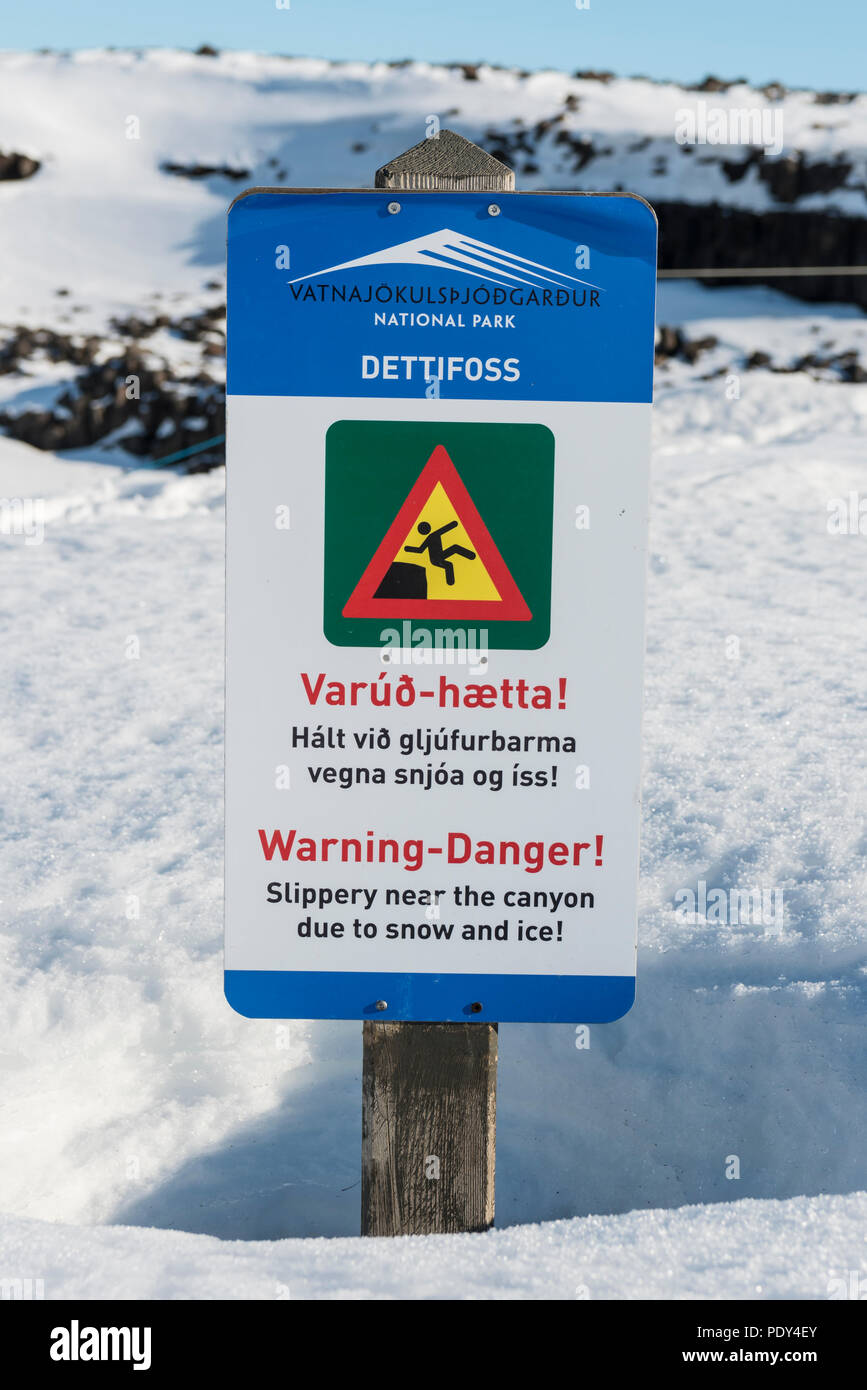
(799, 42)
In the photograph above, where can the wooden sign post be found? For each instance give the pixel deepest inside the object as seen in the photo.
(429, 1106)
(429, 1090)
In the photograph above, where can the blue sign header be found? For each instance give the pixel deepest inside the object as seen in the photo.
(549, 299)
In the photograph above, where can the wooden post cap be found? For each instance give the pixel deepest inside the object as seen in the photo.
(447, 162)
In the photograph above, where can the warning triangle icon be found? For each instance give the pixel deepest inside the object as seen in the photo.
(438, 559)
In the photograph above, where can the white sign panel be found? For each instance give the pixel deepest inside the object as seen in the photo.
(438, 439)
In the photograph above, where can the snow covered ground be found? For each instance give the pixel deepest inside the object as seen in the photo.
(131, 1095)
(806, 1248)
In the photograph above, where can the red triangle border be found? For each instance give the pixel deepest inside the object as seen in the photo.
(511, 607)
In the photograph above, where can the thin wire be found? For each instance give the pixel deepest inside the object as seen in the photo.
(185, 453)
(755, 271)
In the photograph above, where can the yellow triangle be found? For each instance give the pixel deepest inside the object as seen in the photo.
(471, 579)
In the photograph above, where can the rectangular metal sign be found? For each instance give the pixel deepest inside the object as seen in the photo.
(438, 443)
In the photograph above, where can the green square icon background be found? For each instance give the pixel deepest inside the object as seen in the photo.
(370, 468)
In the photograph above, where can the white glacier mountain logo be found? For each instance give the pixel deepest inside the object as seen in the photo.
(451, 251)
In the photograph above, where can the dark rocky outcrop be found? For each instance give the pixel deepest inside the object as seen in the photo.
(153, 412)
(711, 84)
(205, 171)
(673, 343)
(788, 177)
(17, 166)
(711, 236)
(842, 366)
(508, 145)
(792, 176)
(57, 347)
(834, 98)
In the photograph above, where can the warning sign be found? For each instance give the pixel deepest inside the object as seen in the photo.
(458, 530)
(438, 433)
(458, 571)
